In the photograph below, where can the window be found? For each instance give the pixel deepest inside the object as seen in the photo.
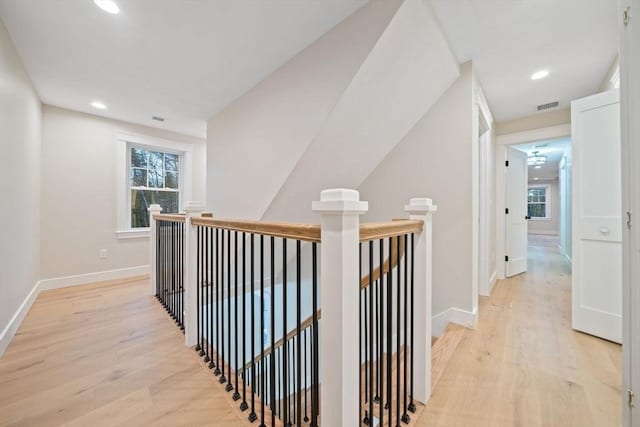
(154, 177)
(538, 202)
(149, 170)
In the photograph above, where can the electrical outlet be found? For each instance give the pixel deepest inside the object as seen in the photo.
(103, 254)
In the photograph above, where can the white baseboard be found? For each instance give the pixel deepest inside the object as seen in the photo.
(57, 283)
(455, 315)
(492, 281)
(100, 276)
(10, 330)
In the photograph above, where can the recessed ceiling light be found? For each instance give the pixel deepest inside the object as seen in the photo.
(539, 74)
(99, 105)
(537, 167)
(536, 178)
(108, 6)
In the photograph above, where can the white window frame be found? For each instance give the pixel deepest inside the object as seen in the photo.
(547, 202)
(124, 142)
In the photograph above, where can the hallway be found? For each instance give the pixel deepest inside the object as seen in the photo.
(524, 365)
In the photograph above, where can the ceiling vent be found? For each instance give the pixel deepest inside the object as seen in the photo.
(158, 119)
(548, 106)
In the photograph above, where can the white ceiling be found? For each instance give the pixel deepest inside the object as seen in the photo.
(182, 60)
(553, 149)
(508, 40)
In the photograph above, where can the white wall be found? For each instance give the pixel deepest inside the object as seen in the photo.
(20, 141)
(255, 142)
(405, 73)
(79, 208)
(549, 226)
(435, 160)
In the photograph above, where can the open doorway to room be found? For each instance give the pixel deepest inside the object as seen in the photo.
(548, 211)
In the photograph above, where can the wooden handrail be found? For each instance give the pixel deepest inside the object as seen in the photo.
(380, 230)
(305, 232)
(169, 217)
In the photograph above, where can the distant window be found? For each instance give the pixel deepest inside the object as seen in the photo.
(154, 177)
(538, 202)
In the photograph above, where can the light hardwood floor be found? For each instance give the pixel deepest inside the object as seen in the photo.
(524, 365)
(106, 354)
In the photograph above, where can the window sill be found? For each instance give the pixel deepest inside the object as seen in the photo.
(539, 219)
(142, 233)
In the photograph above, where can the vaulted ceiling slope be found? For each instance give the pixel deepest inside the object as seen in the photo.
(182, 60)
(508, 40)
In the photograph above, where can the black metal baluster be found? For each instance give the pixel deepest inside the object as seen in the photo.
(236, 394)
(252, 415)
(382, 329)
(389, 331)
(272, 382)
(181, 274)
(244, 405)
(229, 386)
(405, 415)
(198, 284)
(213, 281)
(371, 363)
(412, 406)
(360, 355)
(207, 275)
(262, 361)
(278, 383)
(315, 400)
(304, 335)
(285, 352)
(215, 304)
(376, 398)
(294, 392)
(202, 306)
(398, 319)
(298, 330)
(220, 302)
(174, 272)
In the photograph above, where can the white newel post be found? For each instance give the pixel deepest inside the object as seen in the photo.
(153, 210)
(422, 209)
(192, 210)
(340, 211)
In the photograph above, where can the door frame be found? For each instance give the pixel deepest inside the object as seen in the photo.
(630, 108)
(503, 141)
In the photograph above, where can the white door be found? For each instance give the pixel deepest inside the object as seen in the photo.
(597, 206)
(516, 213)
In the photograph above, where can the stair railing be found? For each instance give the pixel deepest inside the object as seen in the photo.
(254, 294)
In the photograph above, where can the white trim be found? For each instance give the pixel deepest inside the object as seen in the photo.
(57, 283)
(141, 233)
(492, 281)
(482, 127)
(541, 134)
(630, 104)
(10, 330)
(455, 315)
(84, 279)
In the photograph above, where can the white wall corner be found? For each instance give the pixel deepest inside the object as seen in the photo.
(468, 319)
